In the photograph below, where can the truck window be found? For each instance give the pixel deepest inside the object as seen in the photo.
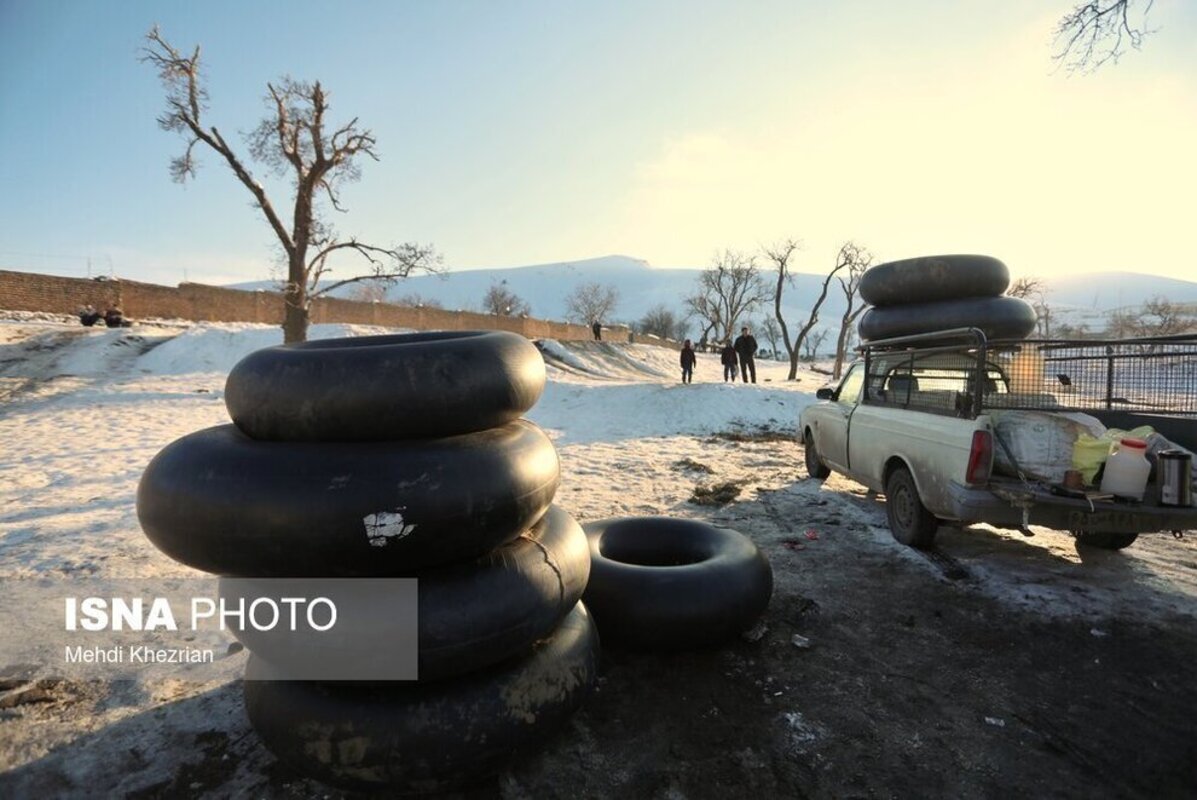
(849, 391)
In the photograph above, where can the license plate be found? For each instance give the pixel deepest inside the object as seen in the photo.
(1126, 521)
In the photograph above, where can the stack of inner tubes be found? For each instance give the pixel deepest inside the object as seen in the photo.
(393, 456)
(933, 293)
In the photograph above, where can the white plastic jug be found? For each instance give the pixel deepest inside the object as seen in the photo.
(1127, 469)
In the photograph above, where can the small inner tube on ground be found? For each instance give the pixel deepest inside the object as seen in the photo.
(425, 737)
(998, 317)
(471, 615)
(929, 279)
(221, 502)
(367, 388)
(658, 583)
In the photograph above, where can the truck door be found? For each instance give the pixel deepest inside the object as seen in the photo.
(833, 431)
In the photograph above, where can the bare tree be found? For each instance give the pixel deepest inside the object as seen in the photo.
(770, 331)
(661, 321)
(1098, 31)
(501, 301)
(592, 302)
(1026, 287)
(1161, 317)
(851, 289)
(849, 253)
(1033, 290)
(1123, 323)
(727, 292)
(295, 139)
(813, 341)
(780, 255)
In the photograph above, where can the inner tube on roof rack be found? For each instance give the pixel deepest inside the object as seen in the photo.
(997, 317)
(369, 388)
(929, 279)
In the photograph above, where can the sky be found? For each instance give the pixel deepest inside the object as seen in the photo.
(515, 133)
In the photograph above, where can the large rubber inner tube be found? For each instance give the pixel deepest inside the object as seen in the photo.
(472, 615)
(425, 737)
(998, 317)
(932, 278)
(385, 387)
(658, 583)
(221, 502)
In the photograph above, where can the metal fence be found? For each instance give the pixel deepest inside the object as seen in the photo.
(960, 373)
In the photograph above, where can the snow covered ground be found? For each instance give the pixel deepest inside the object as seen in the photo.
(82, 411)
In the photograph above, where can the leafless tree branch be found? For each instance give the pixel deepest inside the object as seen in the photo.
(1096, 32)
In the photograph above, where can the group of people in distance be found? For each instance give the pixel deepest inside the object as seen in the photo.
(112, 317)
(742, 350)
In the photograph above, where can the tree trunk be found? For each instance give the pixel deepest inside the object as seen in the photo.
(840, 347)
(785, 332)
(295, 301)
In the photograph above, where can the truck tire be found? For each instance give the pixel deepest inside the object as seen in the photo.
(471, 615)
(814, 462)
(421, 738)
(226, 504)
(371, 388)
(909, 520)
(931, 278)
(667, 584)
(1106, 540)
(998, 317)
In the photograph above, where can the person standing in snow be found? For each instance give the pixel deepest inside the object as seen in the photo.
(728, 356)
(745, 347)
(597, 330)
(688, 360)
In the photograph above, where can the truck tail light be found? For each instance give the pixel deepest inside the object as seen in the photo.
(980, 458)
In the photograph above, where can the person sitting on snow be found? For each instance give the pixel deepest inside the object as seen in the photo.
(88, 315)
(115, 318)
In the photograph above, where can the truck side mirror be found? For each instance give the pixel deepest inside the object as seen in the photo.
(826, 393)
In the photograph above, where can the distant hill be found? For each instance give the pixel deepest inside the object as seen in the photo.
(544, 287)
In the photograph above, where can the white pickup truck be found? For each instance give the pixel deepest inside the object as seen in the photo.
(913, 419)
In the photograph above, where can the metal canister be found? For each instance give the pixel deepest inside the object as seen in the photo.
(1175, 468)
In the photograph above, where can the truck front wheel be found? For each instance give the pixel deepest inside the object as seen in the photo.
(909, 520)
(1106, 540)
(814, 463)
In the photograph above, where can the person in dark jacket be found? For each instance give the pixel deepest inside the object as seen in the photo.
(597, 329)
(114, 317)
(728, 356)
(746, 348)
(688, 360)
(89, 316)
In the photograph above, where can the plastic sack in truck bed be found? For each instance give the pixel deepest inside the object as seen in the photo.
(1040, 443)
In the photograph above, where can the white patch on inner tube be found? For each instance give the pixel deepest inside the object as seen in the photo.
(383, 527)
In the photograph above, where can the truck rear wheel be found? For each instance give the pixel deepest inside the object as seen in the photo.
(814, 464)
(909, 520)
(1106, 540)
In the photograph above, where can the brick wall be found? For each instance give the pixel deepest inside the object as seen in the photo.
(26, 291)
